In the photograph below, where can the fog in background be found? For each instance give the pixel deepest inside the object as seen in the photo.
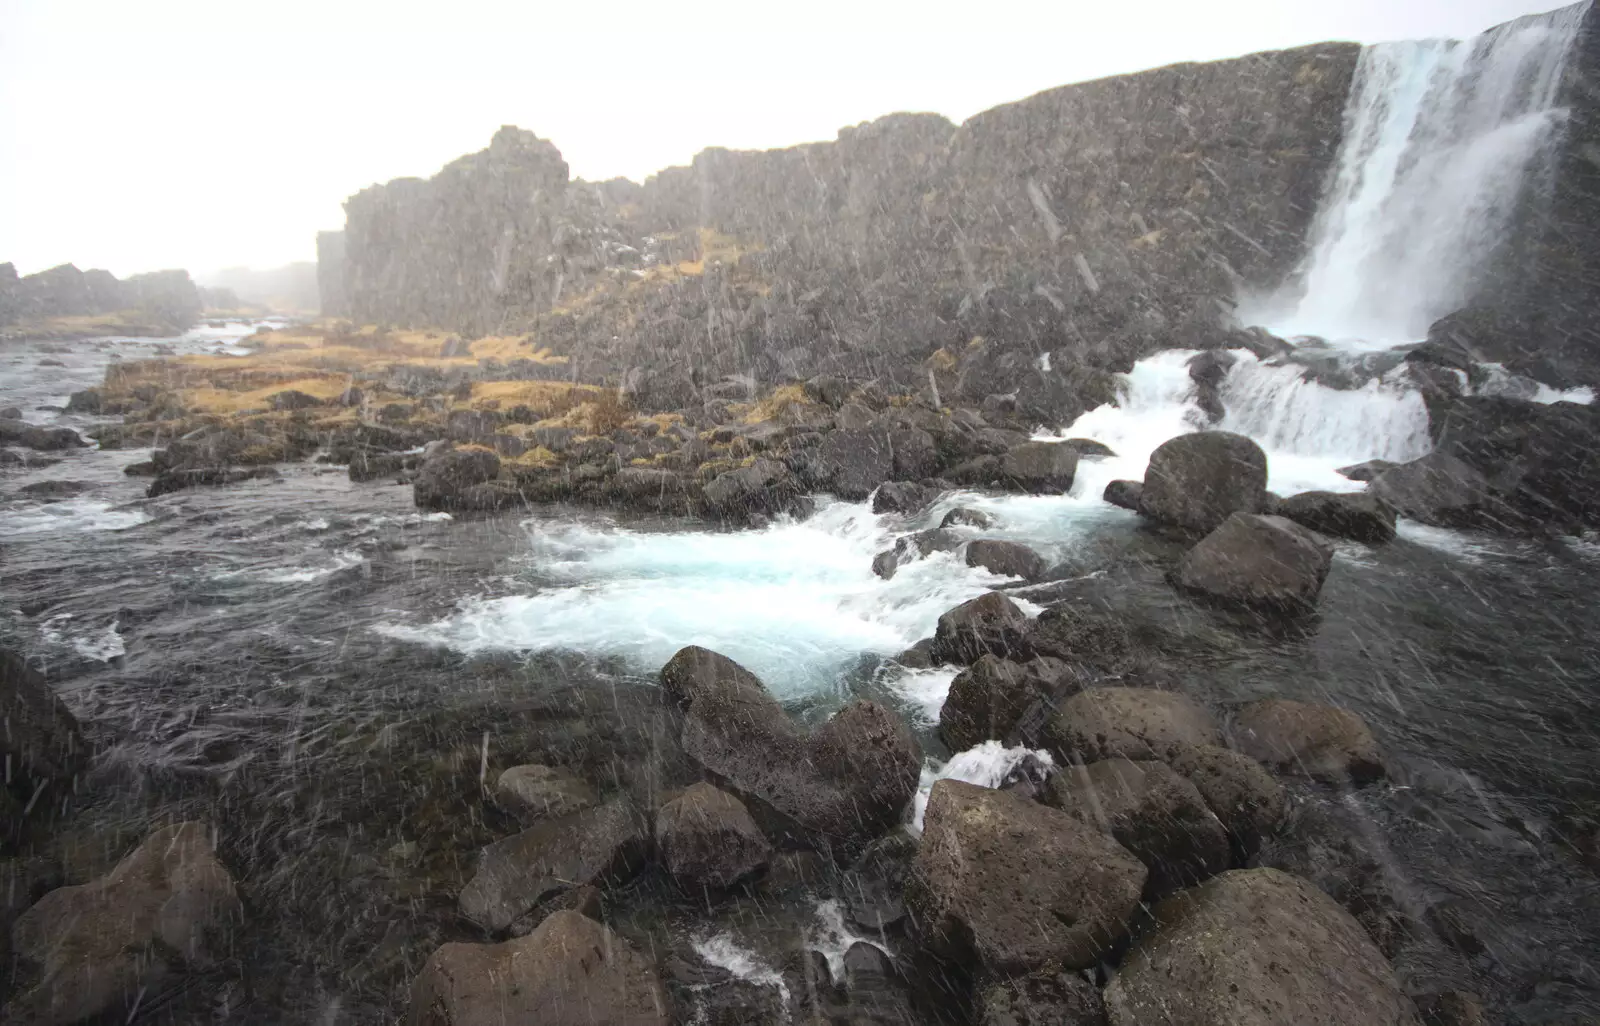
(173, 133)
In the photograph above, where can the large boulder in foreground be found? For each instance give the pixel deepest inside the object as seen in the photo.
(708, 840)
(1318, 741)
(1049, 997)
(571, 971)
(167, 907)
(1129, 723)
(844, 783)
(1255, 947)
(1197, 481)
(990, 623)
(1040, 468)
(1153, 812)
(1258, 562)
(1354, 515)
(1018, 885)
(598, 846)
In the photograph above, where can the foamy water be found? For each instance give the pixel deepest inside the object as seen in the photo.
(79, 514)
(986, 766)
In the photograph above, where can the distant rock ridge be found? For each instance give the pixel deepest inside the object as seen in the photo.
(164, 299)
(1102, 221)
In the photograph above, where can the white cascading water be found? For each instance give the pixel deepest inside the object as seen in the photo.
(1441, 140)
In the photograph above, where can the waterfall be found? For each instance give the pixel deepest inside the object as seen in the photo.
(1441, 139)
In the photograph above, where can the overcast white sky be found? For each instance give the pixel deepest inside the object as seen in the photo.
(140, 134)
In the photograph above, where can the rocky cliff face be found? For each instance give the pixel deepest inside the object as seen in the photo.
(166, 299)
(1099, 221)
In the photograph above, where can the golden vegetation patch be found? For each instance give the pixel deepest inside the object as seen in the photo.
(774, 404)
(537, 458)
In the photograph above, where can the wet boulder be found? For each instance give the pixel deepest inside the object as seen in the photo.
(1016, 885)
(372, 466)
(1367, 470)
(169, 907)
(1040, 468)
(651, 490)
(963, 516)
(53, 491)
(571, 971)
(533, 792)
(1197, 481)
(708, 840)
(1128, 723)
(1207, 370)
(1357, 516)
(875, 992)
(1318, 741)
(1245, 797)
(1005, 558)
(1125, 494)
(30, 436)
(1438, 489)
(988, 698)
(906, 497)
(916, 454)
(602, 845)
(990, 623)
(1089, 449)
(15, 412)
(766, 488)
(447, 473)
(1153, 812)
(1092, 637)
(850, 464)
(842, 784)
(1255, 947)
(1258, 562)
(1048, 997)
(169, 481)
(89, 401)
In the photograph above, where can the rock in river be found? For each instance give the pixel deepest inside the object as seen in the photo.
(1258, 562)
(1319, 741)
(708, 840)
(990, 623)
(1197, 481)
(1129, 723)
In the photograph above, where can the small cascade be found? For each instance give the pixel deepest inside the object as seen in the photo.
(1442, 139)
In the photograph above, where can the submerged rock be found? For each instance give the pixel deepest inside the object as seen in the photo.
(1258, 562)
(601, 845)
(571, 971)
(1007, 559)
(1197, 481)
(1319, 741)
(1357, 516)
(1128, 723)
(1016, 885)
(533, 792)
(1255, 947)
(990, 623)
(963, 516)
(168, 907)
(708, 840)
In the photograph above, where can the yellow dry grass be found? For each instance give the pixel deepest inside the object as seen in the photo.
(779, 400)
(537, 458)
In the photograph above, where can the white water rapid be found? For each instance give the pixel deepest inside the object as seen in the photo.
(1443, 139)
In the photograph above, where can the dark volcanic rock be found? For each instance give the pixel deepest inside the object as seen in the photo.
(571, 971)
(903, 497)
(1368, 470)
(42, 744)
(87, 401)
(370, 466)
(29, 436)
(533, 792)
(1017, 885)
(850, 464)
(708, 840)
(845, 783)
(1244, 796)
(600, 845)
(1049, 997)
(988, 698)
(1357, 516)
(50, 491)
(1124, 493)
(1197, 481)
(1041, 468)
(1438, 489)
(1153, 812)
(962, 516)
(766, 488)
(1129, 723)
(180, 480)
(990, 623)
(1255, 947)
(168, 907)
(446, 475)
(1320, 741)
(1258, 562)
(1008, 559)
(1077, 634)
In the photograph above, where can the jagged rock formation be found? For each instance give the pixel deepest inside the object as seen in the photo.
(167, 299)
(1100, 221)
